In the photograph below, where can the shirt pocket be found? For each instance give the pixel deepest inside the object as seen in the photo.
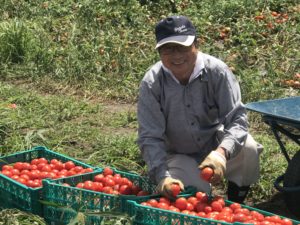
(209, 115)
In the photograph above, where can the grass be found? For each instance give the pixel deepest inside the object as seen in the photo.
(63, 62)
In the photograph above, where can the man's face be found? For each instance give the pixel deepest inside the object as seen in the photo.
(179, 59)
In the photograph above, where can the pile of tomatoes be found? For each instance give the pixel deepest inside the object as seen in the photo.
(32, 173)
(110, 182)
(216, 209)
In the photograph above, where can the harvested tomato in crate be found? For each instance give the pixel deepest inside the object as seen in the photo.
(197, 209)
(105, 190)
(22, 174)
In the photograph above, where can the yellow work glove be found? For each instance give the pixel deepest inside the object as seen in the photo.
(165, 186)
(217, 162)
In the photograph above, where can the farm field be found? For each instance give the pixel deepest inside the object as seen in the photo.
(70, 71)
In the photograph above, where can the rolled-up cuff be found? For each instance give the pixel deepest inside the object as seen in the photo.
(160, 173)
(229, 146)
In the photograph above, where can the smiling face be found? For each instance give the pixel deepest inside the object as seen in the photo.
(179, 59)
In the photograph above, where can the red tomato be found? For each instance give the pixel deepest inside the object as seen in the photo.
(22, 180)
(15, 177)
(235, 206)
(15, 172)
(163, 205)
(185, 211)
(153, 202)
(220, 199)
(29, 183)
(34, 162)
(135, 189)
(41, 165)
(98, 186)
(193, 200)
(7, 167)
(109, 182)
(59, 166)
(200, 195)
(208, 209)
(108, 190)
(173, 208)
(46, 168)
(227, 209)
(225, 217)
(207, 173)
(18, 165)
(25, 172)
(25, 176)
(165, 200)
(201, 214)
(43, 175)
(54, 161)
(99, 178)
(239, 217)
(286, 221)
(26, 166)
(34, 174)
(71, 173)
(193, 213)
(89, 185)
(77, 169)
(35, 184)
(42, 160)
(125, 190)
(108, 171)
(175, 188)
(80, 185)
(181, 203)
(145, 204)
(6, 173)
(216, 206)
(125, 181)
(189, 206)
(33, 167)
(69, 165)
(88, 170)
(200, 206)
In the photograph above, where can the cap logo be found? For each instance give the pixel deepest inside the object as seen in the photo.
(180, 29)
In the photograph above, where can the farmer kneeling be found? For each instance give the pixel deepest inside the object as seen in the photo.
(190, 116)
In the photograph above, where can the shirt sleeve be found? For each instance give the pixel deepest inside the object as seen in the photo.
(151, 132)
(231, 111)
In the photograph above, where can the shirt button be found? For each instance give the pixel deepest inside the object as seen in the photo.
(198, 139)
(192, 123)
(188, 105)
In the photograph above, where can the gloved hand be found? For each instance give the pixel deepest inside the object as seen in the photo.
(217, 162)
(164, 187)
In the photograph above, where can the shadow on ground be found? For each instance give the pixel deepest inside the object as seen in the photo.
(277, 206)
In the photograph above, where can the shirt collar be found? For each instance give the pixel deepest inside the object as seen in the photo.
(199, 66)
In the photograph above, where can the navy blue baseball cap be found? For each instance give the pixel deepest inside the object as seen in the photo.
(175, 29)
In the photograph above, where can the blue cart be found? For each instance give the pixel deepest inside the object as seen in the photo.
(283, 116)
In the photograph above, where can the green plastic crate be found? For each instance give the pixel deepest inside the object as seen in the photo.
(16, 195)
(146, 215)
(65, 202)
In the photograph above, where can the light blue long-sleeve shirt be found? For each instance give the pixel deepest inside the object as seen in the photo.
(175, 118)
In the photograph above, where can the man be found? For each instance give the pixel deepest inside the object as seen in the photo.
(191, 116)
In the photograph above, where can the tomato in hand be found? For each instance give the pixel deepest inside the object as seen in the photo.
(175, 188)
(207, 173)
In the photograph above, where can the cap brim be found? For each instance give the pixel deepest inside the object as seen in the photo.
(185, 40)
